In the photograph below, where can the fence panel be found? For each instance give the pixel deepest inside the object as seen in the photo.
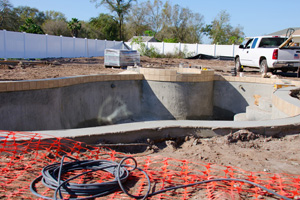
(80, 47)
(14, 44)
(190, 49)
(101, 46)
(171, 48)
(53, 46)
(2, 43)
(224, 50)
(35, 46)
(91, 48)
(206, 49)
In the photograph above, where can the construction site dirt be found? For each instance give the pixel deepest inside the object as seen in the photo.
(64, 67)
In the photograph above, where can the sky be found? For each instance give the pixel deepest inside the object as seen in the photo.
(257, 17)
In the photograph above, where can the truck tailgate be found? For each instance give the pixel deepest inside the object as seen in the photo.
(290, 55)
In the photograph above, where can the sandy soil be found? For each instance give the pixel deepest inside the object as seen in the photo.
(54, 68)
(242, 149)
(248, 151)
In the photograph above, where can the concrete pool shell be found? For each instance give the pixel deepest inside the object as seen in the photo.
(156, 104)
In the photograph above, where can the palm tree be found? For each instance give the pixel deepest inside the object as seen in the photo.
(121, 7)
(74, 25)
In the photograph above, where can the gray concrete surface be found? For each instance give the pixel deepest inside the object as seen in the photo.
(178, 100)
(254, 113)
(167, 129)
(104, 103)
(110, 102)
(77, 106)
(231, 98)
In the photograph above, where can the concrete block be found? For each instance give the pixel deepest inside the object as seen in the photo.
(147, 76)
(10, 86)
(168, 72)
(184, 78)
(142, 70)
(168, 78)
(18, 86)
(173, 78)
(3, 87)
(151, 71)
(26, 85)
(179, 78)
(161, 78)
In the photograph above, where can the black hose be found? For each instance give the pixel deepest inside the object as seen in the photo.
(51, 178)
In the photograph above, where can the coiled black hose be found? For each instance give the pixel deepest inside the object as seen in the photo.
(51, 177)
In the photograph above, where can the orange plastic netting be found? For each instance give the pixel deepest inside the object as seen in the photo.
(23, 155)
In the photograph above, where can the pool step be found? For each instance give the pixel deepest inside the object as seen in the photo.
(262, 111)
(255, 113)
(265, 104)
(240, 117)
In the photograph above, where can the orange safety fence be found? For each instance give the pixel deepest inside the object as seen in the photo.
(23, 155)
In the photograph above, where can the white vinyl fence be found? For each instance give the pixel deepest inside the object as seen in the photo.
(190, 49)
(26, 45)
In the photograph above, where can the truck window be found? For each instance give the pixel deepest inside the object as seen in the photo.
(249, 43)
(271, 42)
(254, 43)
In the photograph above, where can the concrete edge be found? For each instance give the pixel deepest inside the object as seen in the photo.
(151, 74)
(132, 132)
(284, 102)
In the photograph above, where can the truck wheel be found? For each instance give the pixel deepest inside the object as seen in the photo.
(263, 66)
(238, 65)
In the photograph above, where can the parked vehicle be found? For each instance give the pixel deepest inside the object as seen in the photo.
(269, 53)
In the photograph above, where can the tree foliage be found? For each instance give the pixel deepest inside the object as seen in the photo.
(105, 26)
(31, 27)
(137, 22)
(55, 16)
(120, 7)
(6, 14)
(56, 27)
(221, 32)
(74, 25)
(24, 12)
(168, 22)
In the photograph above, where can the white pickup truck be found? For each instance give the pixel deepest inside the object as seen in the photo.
(269, 53)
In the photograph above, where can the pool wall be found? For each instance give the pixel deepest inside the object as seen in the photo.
(155, 94)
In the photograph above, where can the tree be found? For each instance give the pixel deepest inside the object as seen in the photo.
(74, 25)
(8, 18)
(221, 32)
(155, 17)
(56, 27)
(31, 27)
(180, 24)
(54, 15)
(106, 26)
(4, 7)
(137, 21)
(120, 7)
(55, 23)
(25, 12)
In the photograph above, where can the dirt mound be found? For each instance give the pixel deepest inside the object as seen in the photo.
(241, 135)
(243, 149)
